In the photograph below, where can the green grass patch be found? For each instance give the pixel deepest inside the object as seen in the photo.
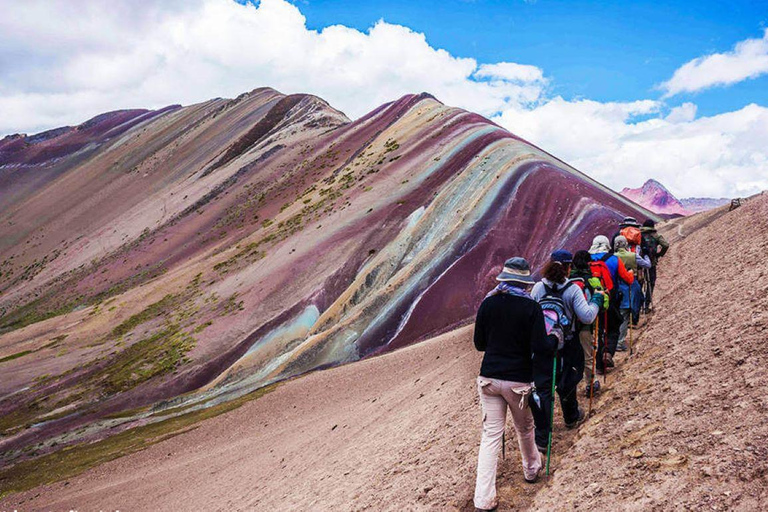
(74, 460)
(55, 341)
(15, 356)
(158, 354)
(151, 312)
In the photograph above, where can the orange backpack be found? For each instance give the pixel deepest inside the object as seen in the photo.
(633, 236)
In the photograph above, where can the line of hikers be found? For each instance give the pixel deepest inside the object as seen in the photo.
(544, 340)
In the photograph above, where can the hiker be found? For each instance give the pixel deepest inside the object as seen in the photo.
(570, 357)
(601, 251)
(581, 274)
(630, 294)
(509, 329)
(656, 247)
(627, 222)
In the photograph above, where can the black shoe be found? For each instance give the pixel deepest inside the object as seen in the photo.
(579, 421)
(588, 390)
(486, 509)
(542, 449)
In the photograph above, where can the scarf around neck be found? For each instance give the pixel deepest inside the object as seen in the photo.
(504, 287)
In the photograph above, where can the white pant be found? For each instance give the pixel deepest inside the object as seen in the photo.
(495, 397)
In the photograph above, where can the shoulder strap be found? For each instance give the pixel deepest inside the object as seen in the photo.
(554, 290)
(606, 257)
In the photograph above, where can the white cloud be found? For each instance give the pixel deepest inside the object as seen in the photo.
(510, 71)
(748, 59)
(722, 155)
(210, 48)
(62, 62)
(682, 114)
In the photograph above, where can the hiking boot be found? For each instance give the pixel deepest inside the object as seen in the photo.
(622, 347)
(588, 389)
(608, 360)
(578, 421)
(486, 509)
(534, 479)
(542, 449)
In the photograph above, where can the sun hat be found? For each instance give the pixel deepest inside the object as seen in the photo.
(600, 244)
(649, 223)
(516, 269)
(629, 222)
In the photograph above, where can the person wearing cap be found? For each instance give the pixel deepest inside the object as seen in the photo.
(656, 246)
(510, 330)
(601, 251)
(570, 359)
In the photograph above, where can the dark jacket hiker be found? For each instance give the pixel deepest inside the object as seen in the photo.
(510, 330)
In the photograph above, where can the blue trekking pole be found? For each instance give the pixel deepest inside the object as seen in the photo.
(552, 414)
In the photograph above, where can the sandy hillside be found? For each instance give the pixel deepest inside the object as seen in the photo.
(682, 424)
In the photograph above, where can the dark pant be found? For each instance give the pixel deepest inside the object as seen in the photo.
(610, 328)
(650, 285)
(570, 370)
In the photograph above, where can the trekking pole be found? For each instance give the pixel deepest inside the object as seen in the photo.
(594, 364)
(504, 444)
(631, 318)
(605, 347)
(552, 414)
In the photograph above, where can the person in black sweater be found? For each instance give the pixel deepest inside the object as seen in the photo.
(509, 329)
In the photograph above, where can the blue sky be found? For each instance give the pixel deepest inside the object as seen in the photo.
(623, 91)
(603, 50)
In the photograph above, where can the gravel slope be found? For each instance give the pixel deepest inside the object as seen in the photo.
(684, 428)
(680, 426)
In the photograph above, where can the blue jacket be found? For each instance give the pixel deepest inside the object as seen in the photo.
(637, 296)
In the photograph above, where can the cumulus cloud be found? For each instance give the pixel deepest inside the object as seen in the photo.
(748, 59)
(62, 62)
(186, 52)
(510, 71)
(722, 155)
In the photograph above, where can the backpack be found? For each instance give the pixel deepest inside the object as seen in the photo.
(556, 319)
(587, 287)
(651, 247)
(601, 271)
(634, 237)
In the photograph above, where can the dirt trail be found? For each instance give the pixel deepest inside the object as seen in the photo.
(682, 425)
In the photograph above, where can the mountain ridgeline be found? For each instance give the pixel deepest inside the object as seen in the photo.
(655, 197)
(153, 262)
